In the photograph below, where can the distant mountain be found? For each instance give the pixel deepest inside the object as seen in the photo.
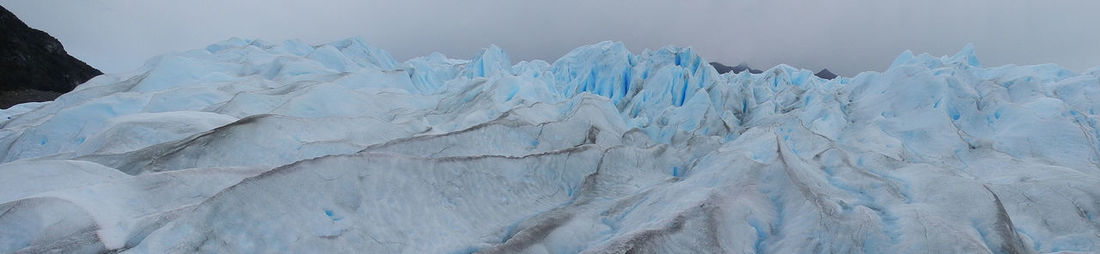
(722, 68)
(825, 74)
(33, 65)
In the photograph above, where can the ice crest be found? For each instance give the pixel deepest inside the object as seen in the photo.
(491, 61)
(966, 55)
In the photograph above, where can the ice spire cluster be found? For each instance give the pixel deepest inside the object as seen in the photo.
(250, 146)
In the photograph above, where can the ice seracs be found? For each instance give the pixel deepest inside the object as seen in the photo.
(250, 146)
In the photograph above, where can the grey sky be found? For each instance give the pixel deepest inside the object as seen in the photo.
(847, 36)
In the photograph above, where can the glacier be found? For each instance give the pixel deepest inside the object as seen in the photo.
(251, 146)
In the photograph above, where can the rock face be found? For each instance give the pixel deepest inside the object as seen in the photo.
(33, 65)
(722, 68)
(825, 74)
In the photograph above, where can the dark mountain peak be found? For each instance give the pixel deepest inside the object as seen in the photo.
(751, 70)
(33, 62)
(722, 68)
(825, 74)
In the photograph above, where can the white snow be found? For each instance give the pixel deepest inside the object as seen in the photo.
(250, 146)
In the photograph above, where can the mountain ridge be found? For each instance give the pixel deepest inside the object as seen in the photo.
(34, 65)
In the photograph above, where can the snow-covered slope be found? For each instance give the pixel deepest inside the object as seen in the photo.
(249, 146)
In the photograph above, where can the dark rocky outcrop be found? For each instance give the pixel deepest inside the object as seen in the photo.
(722, 68)
(33, 65)
(825, 74)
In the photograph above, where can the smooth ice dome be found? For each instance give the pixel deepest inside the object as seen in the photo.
(256, 147)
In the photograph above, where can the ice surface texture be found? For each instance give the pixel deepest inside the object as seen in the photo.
(254, 147)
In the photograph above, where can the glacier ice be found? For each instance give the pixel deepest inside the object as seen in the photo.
(252, 146)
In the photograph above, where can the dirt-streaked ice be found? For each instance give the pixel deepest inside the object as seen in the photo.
(256, 147)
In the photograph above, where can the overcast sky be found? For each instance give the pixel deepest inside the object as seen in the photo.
(847, 36)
